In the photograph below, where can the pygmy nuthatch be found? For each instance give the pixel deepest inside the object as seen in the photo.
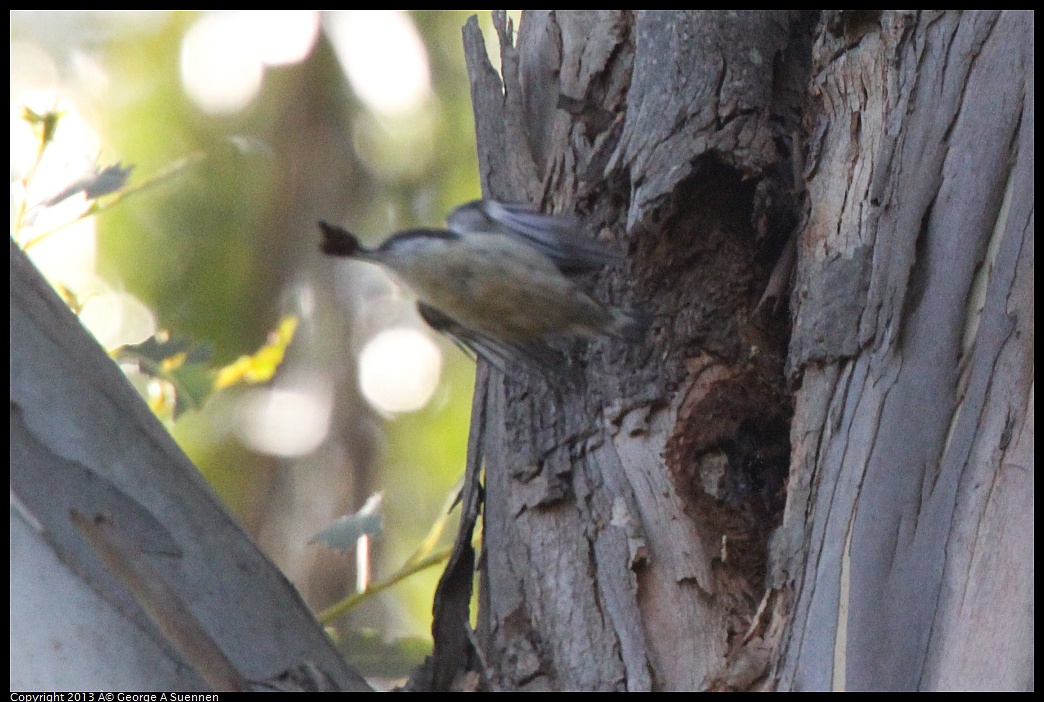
(500, 280)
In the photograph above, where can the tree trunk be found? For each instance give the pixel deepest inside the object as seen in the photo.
(838, 497)
(191, 604)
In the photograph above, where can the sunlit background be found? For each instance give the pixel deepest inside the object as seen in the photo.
(267, 121)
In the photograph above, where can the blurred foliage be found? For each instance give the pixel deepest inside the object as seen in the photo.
(425, 452)
(228, 248)
(366, 649)
(262, 365)
(180, 371)
(176, 374)
(368, 521)
(344, 534)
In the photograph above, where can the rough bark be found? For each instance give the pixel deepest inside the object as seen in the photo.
(635, 535)
(607, 566)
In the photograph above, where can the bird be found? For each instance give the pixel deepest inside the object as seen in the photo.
(500, 280)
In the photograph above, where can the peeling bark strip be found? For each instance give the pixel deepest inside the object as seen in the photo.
(908, 545)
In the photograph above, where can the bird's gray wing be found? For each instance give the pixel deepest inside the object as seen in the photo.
(555, 236)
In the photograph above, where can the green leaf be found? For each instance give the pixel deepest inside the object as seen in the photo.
(346, 531)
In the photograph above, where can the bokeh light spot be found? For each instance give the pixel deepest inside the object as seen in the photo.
(399, 370)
